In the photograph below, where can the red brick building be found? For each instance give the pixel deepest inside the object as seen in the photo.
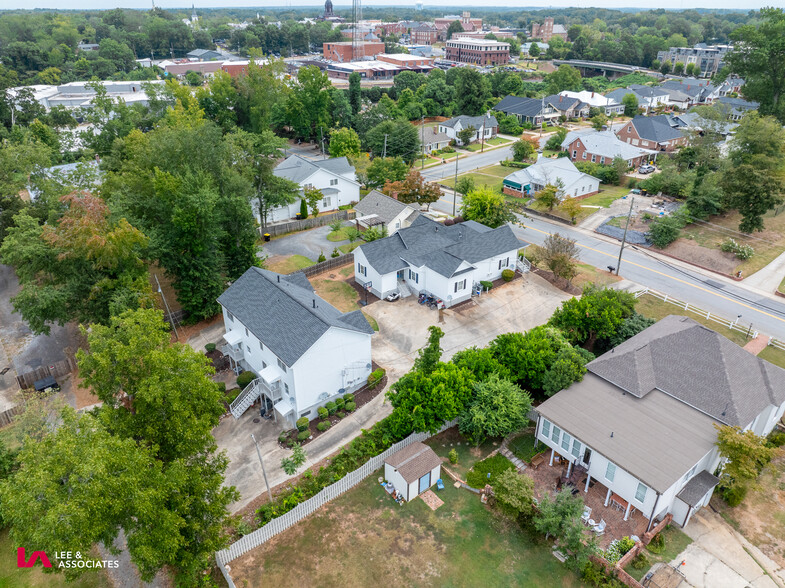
(546, 30)
(424, 34)
(342, 51)
(478, 51)
(652, 132)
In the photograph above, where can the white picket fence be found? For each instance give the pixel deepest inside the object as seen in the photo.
(302, 510)
(733, 325)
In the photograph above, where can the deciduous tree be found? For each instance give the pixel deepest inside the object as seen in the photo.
(746, 454)
(497, 408)
(413, 189)
(487, 207)
(515, 492)
(386, 169)
(344, 142)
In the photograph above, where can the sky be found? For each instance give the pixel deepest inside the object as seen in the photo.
(450, 5)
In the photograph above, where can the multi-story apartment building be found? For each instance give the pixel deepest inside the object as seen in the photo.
(477, 51)
(709, 58)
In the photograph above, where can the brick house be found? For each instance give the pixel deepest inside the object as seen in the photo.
(603, 148)
(546, 30)
(652, 132)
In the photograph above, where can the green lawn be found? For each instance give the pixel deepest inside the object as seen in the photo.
(499, 171)
(349, 247)
(341, 235)
(556, 211)
(606, 196)
(523, 448)
(492, 182)
(363, 538)
(675, 543)
(658, 309)
(497, 141)
(289, 264)
(589, 273)
(773, 355)
(468, 453)
(337, 292)
(13, 577)
(472, 147)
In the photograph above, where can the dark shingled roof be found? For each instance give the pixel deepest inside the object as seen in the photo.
(441, 248)
(655, 128)
(383, 206)
(519, 105)
(297, 169)
(284, 313)
(697, 366)
(697, 487)
(414, 461)
(471, 121)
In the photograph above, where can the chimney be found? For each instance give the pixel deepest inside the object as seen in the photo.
(279, 278)
(592, 94)
(314, 302)
(561, 97)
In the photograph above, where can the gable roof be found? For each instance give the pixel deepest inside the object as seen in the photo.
(738, 103)
(431, 135)
(655, 128)
(284, 313)
(381, 205)
(440, 248)
(298, 169)
(563, 103)
(606, 144)
(519, 105)
(698, 367)
(548, 171)
(414, 461)
(471, 121)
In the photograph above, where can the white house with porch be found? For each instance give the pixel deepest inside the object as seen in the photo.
(485, 127)
(447, 262)
(642, 421)
(303, 351)
(335, 178)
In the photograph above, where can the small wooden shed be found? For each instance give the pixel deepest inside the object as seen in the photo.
(413, 469)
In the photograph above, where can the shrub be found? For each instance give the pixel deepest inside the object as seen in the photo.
(641, 562)
(303, 209)
(283, 437)
(210, 347)
(335, 253)
(303, 435)
(323, 426)
(495, 465)
(339, 402)
(340, 414)
(508, 275)
(323, 414)
(618, 548)
(336, 226)
(331, 408)
(735, 494)
(350, 406)
(632, 183)
(302, 423)
(657, 544)
(222, 387)
(486, 285)
(664, 231)
(453, 456)
(517, 164)
(448, 149)
(243, 528)
(321, 258)
(375, 377)
(776, 438)
(348, 397)
(244, 379)
(743, 252)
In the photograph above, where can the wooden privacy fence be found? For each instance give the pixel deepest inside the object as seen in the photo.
(7, 416)
(308, 223)
(329, 264)
(302, 510)
(57, 369)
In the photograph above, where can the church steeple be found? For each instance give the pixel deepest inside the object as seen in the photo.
(193, 13)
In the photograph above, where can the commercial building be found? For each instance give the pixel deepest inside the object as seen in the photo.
(467, 22)
(80, 94)
(546, 30)
(384, 67)
(424, 34)
(342, 51)
(478, 51)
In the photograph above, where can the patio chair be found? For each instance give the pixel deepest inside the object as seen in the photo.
(586, 514)
(600, 529)
(439, 484)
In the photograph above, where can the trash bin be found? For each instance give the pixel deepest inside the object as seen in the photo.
(298, 216)
(266, 237)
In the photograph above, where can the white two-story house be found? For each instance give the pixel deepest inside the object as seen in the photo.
(304, 351)
(485, 127)
(642, 421)
(447, 262)
(335, 178)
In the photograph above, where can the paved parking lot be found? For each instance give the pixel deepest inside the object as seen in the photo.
(309, 243)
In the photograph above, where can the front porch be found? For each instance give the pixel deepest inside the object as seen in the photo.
(549, 479)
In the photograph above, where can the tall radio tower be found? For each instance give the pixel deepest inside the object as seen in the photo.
(357, 40)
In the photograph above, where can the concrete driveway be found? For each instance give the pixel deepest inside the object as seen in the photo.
(309, 243)
(719, 557)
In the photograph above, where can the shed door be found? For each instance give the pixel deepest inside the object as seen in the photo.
(425, 483)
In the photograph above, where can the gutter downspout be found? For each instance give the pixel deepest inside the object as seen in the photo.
(537, 431)
(653, 510)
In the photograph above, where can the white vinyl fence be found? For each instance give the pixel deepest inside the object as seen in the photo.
(302, 510)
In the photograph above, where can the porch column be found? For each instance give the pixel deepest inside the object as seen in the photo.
(627, 513)
(569, 469)
(588, 479)
(607, 497)
(552, 452)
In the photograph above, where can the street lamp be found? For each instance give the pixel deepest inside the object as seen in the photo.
(264, 472)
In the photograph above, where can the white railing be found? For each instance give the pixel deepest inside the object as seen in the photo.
(302, 510)
(733, 325)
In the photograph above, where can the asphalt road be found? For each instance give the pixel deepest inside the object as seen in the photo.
(468, 163)
(710, 292)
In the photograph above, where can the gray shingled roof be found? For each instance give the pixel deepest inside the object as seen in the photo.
(471, 121)
(697, 487)
(430, 135)
(284, 313)
(382, 206)
(298, 169)
(738, 103)
(655, 128)
(438, 247)
(697, 366)
(519, 105)
(414, 461)
(564, 103)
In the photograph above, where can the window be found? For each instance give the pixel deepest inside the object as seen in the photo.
(286, 388)
(230, 316)
(555, 433)
(546, 428)
(460, 285)
(414, 277)
(261, 346)
(635, 141)
(602, 161)
(574, 153)
(246, 331)
(334, 182)
(565, 441)
(584, 155)
(640, 493)
(326, 202)
(305, 414)
(361, 269)
(593, 158)
(629, 129)
(504, 262)
(282, 365)
(610, 472)
(576, 448)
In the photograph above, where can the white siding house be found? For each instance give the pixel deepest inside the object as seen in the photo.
(334, 177)
(485, 127)
(304, 351)
(447, 262)
(377, 209)
(560, 172)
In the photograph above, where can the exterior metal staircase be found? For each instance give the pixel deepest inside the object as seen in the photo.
(246, 398)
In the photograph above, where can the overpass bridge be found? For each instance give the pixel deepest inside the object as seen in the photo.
(609, 70)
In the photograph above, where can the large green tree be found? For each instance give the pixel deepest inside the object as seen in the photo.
(472, 90)
(487, 207)
(386, 169)
(344, 142)
(497, 408)
(394, 138)
(564, 78)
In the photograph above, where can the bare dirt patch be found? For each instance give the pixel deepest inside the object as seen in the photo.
(713, 259)
(83, 394)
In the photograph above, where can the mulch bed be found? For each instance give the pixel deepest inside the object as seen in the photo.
(362, 397)
(558, 282)
(722, 262)
(219, 360)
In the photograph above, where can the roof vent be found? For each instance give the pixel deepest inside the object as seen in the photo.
(279, 278)
(314, 302)
(611, 434)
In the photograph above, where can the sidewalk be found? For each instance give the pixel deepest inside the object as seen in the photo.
(768, 278)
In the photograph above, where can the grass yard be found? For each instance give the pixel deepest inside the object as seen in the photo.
(773, 355)
(606, 196)
(675, 543)
(657, 309)
(288, 264)
(767, 244)
(338, 293)
(349, 247)
(363, 538)
(588, 273)
(341, 235)
(468, 453)
(497, 141)
(523, 448)
(13, 577)
(556, 211)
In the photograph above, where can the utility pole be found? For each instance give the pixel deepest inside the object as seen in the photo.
(166, 304)
(455, 184)
(264, 472)
(624, 238)
(384, 152)
(482, 133)
(422, 142)
(321, 134)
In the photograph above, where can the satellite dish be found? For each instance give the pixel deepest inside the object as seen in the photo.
(342, 391)
(323, 396)
(367, 366)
